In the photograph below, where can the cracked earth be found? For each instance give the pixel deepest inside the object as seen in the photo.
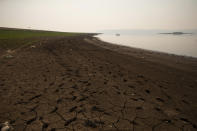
(76, 83)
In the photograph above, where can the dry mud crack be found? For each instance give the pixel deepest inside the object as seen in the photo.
(74, 84)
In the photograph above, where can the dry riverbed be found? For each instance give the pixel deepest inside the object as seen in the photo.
(82, 83)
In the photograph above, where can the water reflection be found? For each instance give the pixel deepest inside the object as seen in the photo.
(175, 44)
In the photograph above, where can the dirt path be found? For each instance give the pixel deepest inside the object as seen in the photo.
(73, 84)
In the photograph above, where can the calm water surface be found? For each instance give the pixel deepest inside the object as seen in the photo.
(174, 44)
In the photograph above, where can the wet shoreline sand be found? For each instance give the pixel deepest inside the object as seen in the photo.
(82, 83)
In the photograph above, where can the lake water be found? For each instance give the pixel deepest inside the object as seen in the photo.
(185, 45)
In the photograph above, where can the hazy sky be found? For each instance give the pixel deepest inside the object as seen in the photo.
(94, 15)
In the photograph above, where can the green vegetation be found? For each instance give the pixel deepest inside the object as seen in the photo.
(13, 38)
(17, 33)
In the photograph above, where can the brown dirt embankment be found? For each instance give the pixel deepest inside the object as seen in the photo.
(82, 83)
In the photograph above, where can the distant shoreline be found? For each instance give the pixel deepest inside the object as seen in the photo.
(176, 33)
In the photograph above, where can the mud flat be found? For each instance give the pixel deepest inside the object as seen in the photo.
(82, 83)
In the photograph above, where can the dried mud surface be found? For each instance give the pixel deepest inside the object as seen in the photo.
(81, 83)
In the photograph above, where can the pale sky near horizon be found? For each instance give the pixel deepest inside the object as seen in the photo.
(94, 15)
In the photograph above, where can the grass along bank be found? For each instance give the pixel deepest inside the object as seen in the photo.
(13, 38)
